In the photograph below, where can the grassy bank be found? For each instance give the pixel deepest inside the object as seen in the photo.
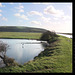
(20, 35)
(57, 58)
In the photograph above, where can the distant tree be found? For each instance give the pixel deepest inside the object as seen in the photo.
(49, 36)
(3, 49)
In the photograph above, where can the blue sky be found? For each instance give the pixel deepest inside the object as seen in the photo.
(48, 15)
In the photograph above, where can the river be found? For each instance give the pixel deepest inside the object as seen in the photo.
(69, 36)
(23, 50)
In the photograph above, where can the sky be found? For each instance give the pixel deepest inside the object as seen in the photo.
(53, 16)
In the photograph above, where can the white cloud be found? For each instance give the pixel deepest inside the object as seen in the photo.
(0, 14)
(51, 10)
(2, 5)
(11, 3)
(36, 3)
(63, 17)
(46, 3)
(5, 19)
(35, 13)
(17, 14)
(21, 16)
(0, 10)
(21, 10)
(24, 17)
(70, 7)
(45, 19)
(20, 7)
(20, 3)
(57, 26)
(55, 18)
(66, 17)
(36, 22)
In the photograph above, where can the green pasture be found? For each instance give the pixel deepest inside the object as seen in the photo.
(20, 35)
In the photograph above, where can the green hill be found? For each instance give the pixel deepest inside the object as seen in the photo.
(21, 29)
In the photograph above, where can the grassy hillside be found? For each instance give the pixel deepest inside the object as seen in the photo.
(57, 58)
(20, 35)
(21, 29)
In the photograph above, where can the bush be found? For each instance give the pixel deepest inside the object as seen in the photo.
(10, 61)
(3, 47)
(49, 36)
(6, 60)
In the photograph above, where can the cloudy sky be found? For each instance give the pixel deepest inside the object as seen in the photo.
(51, 16)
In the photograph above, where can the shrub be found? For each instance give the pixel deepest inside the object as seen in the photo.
(7, 61)
(49, 36)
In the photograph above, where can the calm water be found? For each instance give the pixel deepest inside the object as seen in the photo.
(22, 50)
(69, 36)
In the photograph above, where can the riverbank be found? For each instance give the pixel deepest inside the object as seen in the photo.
(56, 58)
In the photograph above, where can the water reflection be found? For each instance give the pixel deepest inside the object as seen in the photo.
(22, 52)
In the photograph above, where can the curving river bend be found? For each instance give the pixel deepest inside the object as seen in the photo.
(23, 50)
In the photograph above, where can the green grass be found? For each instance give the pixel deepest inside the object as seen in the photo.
(57, 58)
(20, 35)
